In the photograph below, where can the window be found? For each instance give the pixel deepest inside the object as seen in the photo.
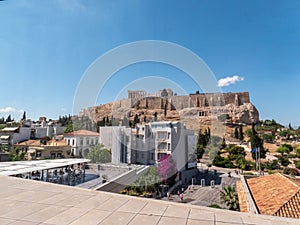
(81, 141)
(92, 141)
(73, 142)
(87, 141)
(169, 146)
(68, 141)
(202, 113)
(162, 146)
(52, 156)
(59, 155)
(38, 153)
(152, 156)
(142, 155)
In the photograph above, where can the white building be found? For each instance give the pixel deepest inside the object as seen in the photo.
(46, 130)
(12, 135)
(118, 140)
(172, 138)
(148, 143)
(81, 141)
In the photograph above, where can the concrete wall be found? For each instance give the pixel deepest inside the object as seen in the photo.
(118, 140)
(120, 182)
(24, 134)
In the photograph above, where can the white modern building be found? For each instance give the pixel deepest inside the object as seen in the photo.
(149, 142)
(172, 138)
(81, 141)
(118, 140)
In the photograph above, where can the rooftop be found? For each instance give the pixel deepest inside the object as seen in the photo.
(82, 133)
(39, 143)
(33, 202)
(276, 194)
(10, 129)
(18, 167)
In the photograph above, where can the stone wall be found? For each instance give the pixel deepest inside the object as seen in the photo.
(202, 106)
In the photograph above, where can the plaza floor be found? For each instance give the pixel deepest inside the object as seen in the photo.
(30, 202)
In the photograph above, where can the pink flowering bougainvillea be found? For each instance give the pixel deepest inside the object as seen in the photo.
(167, 170)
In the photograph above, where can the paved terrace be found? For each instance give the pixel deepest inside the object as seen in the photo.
(30, 202)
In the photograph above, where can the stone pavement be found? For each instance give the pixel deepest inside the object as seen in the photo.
(29, 202)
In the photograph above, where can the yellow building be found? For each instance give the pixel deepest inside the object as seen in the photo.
(42, 149)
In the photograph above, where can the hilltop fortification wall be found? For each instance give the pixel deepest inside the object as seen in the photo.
(200, 106)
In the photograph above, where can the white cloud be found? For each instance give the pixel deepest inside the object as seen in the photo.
(7, 109)
(229, 80)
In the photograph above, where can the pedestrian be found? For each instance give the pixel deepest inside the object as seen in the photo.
(181, 196)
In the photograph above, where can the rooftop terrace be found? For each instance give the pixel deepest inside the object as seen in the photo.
(30, 202)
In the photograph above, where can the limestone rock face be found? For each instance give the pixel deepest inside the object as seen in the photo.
(246, 113)
(236, 105)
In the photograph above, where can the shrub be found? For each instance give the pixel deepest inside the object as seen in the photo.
(291, 171)
(215, 206)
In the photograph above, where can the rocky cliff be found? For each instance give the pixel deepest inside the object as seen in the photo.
(194, 110)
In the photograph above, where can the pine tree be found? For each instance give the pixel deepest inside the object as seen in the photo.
(24, 116)
(257, 143)
(241, 134)
(236, 133)
(8, 119)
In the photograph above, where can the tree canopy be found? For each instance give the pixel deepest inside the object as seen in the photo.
(99, 154)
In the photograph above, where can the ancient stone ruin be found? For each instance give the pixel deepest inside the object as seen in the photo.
(193, 109)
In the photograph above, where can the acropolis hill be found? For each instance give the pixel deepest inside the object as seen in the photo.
(193, 109)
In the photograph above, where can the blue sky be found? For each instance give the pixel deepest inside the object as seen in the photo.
(46, 46)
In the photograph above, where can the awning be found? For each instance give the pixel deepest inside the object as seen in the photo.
(4, 137)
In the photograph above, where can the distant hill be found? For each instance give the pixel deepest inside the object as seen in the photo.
(195, 110)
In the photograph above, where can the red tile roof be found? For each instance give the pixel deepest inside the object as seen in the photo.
(30, 143)
(82, 133)
(276, 195)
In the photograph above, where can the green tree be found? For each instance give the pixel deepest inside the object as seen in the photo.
(8, 119)
(257, 143)
(241, 134)
(248, 132)
(99, 154)
(236, 133)
(284, 160)
(284, 149)
(268, 137)
(297, 150)
(24, 116)
(69, 128)
(155, 117)
(230, 197)
(241, 162)
(16, 154)
(223, 117)
(200, 151)
(272, 165)
(235, 151)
